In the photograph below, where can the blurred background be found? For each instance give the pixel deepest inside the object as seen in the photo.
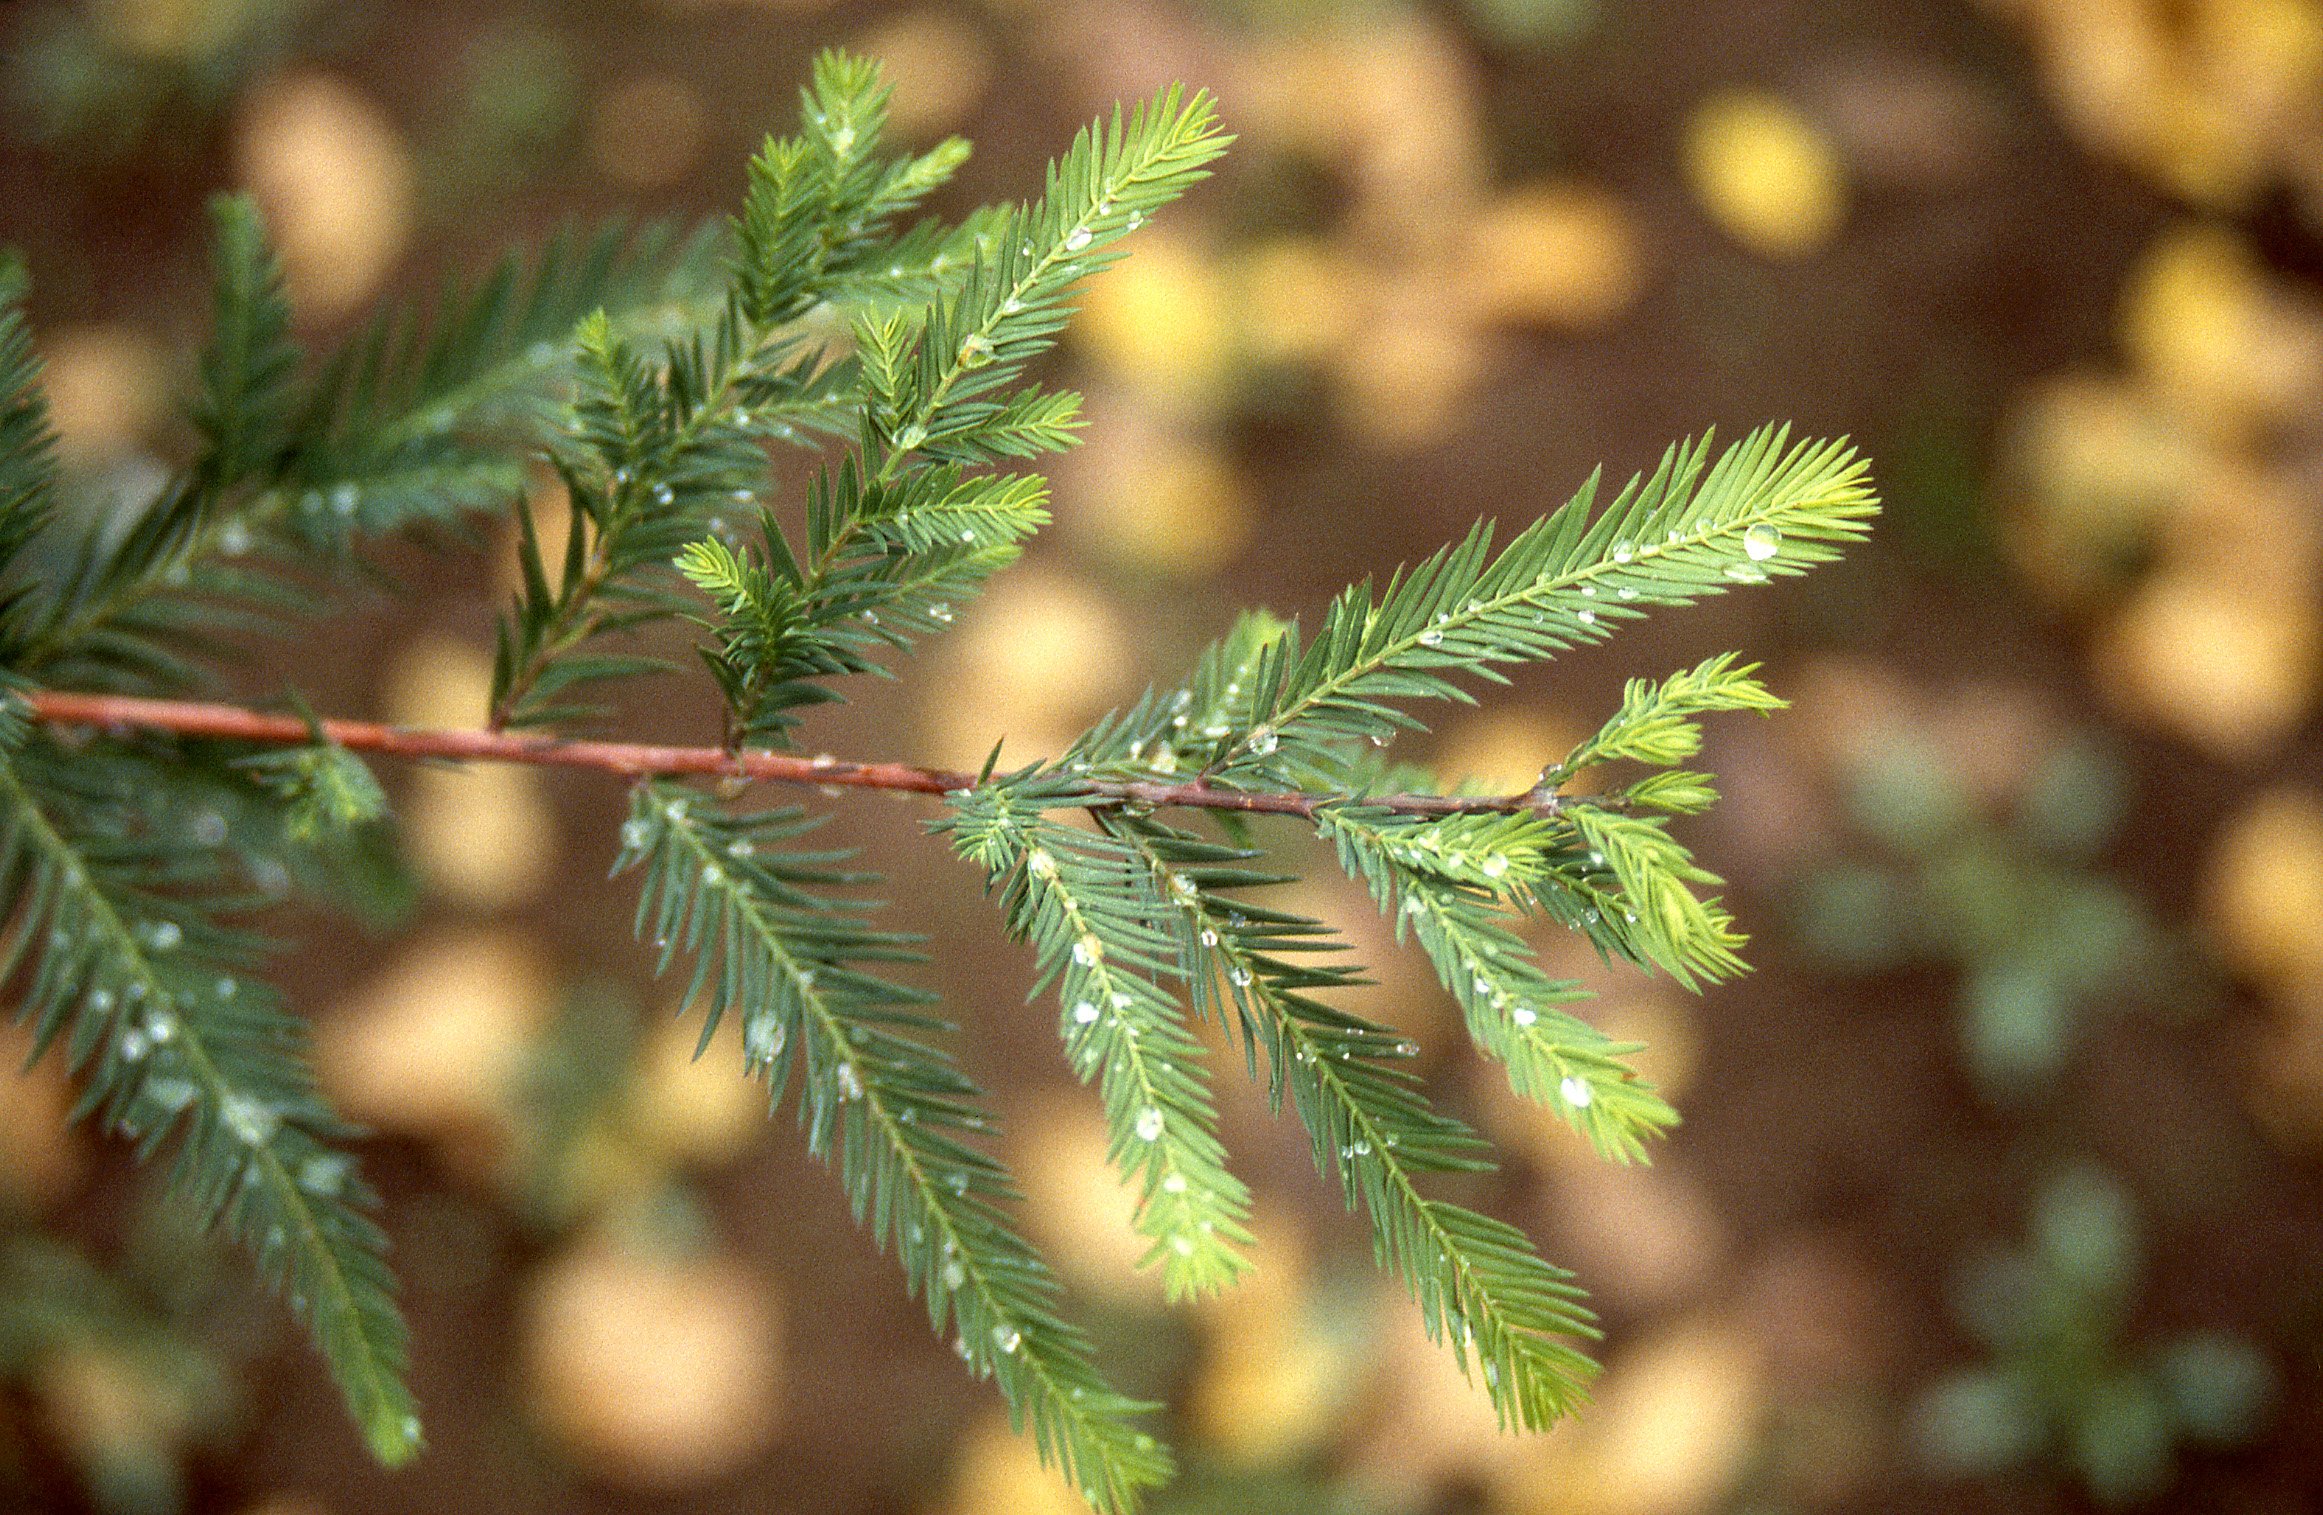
(2001, 1183)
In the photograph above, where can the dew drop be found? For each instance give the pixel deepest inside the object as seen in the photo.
(1585, 617)
(1006, 1337)
(1761, 542)
(1174, 1184)
(1494, 866)
(635, 834)
(954, 1276)
(1088, 951)
(1039, 864)
(134, 1045)
(1079, 239)
(762, 1038)
(1149, 1124)
(850, 1082)
(1746, 573)
(1240, 977)
(1524, 1015)
(1084, 1014)
(252, 1120)
(1431, 638)
(1623, 552)
(171, 1094)
(163, 935)
(1209, 937)
(940, 612)
(324, 1173)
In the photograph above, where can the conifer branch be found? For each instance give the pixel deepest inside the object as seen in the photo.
(652, 376)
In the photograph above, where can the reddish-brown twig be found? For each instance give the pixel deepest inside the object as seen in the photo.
(198, 718)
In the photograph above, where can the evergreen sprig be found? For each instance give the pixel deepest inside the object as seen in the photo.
(1691, 528)
(429, 414)
(771, 944)
(243, 411)
(1479, 1283)
(1098, 929)
(656, 454)
(815, 224)
(415, 422)
(126, 959)
(27, 462)
(125, 866)
(669, 444)
(1516, 1014)
(1116, 175)
(1658, 722)
(650, 375)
